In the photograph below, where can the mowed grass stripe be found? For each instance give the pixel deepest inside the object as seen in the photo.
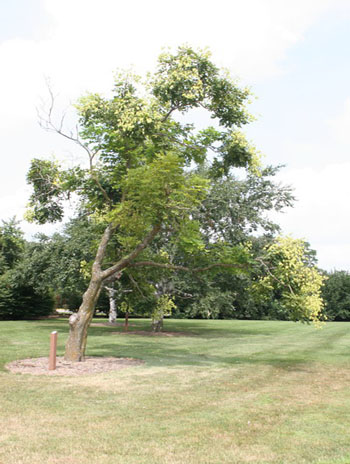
(229, 392)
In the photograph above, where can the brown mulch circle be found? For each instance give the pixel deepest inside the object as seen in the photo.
(91, 365)
(154, 334)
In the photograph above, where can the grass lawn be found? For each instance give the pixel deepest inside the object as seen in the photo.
(228, 392)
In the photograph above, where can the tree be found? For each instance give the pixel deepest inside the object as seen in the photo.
(292, 277)
(235, 210)
(11, 244)
(55, 264)
(336, 295)
(19, 299)
(143, 179)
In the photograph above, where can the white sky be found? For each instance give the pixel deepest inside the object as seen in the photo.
(294, 54)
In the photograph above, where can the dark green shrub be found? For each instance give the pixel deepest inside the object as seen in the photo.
(21, 301)
(336, 296)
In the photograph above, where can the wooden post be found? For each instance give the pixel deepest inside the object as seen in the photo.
(53, 348)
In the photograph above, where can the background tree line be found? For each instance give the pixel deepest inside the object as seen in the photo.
(48, 272)
(171, 219)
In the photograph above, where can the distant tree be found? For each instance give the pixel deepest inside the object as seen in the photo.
(336, 295)
(236, 209)
(11, 244)
(290, 278)
(56, 263)
(243, 295)
(19, 299)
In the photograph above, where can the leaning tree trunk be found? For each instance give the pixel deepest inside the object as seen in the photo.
(80, 321)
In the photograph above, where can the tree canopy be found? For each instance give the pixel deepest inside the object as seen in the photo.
(336, 295)
(149, 171)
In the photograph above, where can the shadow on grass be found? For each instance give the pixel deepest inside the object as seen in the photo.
(191, 329)
(170, 357)
(174, 351)
(211, 344)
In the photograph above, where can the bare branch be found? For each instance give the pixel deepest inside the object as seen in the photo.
(47, 123)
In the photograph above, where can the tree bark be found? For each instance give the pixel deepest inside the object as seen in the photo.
(80, 321)
(157, 324)
(112, 315)
(126, 322)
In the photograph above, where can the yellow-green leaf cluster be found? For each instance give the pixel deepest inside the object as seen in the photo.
(164, 307)
(157, 192)
(297, 282)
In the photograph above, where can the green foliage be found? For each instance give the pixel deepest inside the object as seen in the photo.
(152, 176)
(214, 305)
(126, 307)
(54, 264)
(282, 287)
(336, 295)
(45, 203)
(134, 139)
(234, 208)
(163, 308)
(189, 80)
(291, 277)
(158, 192)
(11, 244)
(20, 300)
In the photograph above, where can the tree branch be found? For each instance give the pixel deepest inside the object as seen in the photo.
(101, 251)
(173, 108)
(47, 124)
(136, 285)
(112, 278)
(274, 277)
(125, 262)
(174, 267)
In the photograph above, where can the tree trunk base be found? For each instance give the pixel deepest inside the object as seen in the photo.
(157, 326)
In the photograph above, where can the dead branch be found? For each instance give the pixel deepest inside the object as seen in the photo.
(45, 118)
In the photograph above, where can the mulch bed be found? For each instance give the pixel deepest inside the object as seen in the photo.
(91, 365)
